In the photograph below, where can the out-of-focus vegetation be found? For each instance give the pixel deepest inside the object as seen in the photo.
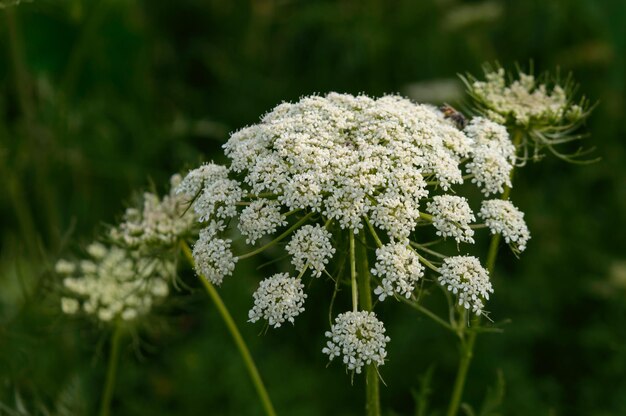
(99, 99)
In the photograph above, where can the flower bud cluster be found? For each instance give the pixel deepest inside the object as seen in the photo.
(524, 100)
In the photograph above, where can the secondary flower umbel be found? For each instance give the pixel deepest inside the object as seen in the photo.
(113, 283)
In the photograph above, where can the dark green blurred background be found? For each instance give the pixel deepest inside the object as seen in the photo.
(100, 98)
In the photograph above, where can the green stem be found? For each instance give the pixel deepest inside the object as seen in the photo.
(277, 239)
(426, 216)
(492, 254)
(353, 284)
(425, 262)
(426, 249)
(379, 243)
(467, 347)
(234, 332)
(426, 312)
(372, 386)
(109, 385)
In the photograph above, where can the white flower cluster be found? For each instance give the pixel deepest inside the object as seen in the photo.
(452, 216)
(114, 283)
(493, 155)
(349, 161)
(524, 100)
(212, 193)
(350, 157)
(159, 223)
(502, 217)
(260, 218)
(359, 337)
(212, 255)
(465, 277)
(311, 247)
(400, 269)
(278, 299)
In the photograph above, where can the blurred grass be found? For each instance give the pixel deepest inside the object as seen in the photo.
(98, 98)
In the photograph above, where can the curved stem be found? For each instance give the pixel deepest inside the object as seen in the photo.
(379, 243)
(372, 383)
(277, 239)
(234, 332)
(467, 347)
(109, 384)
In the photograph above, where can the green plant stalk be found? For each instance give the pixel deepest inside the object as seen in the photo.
(234, 332)
(277, 239)
(467, 346)
(353, 284)
(413, 304)
(109, 384)
(372, 383)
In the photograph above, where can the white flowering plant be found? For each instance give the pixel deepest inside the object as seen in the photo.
(363, 193)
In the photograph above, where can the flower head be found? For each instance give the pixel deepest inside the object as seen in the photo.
(212, 256)
(311, 247)
(524, 100)
(359, 337)
(260, 218)
(278, 299)
(502, 217)
(113, 283)
(212, 192)
(349, 157)
(452, 216)
(400, 269)
(465, 277)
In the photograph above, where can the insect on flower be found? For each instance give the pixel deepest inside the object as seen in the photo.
(453, 115)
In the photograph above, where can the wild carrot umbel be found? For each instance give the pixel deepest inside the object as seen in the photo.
(329, 168)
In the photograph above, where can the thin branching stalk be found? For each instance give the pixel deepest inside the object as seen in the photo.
(415, 305)
(109, 383)
(379, 243)
(426, 249)
(279, 238)
(234, 332)
(353, 283)
(372, 383)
